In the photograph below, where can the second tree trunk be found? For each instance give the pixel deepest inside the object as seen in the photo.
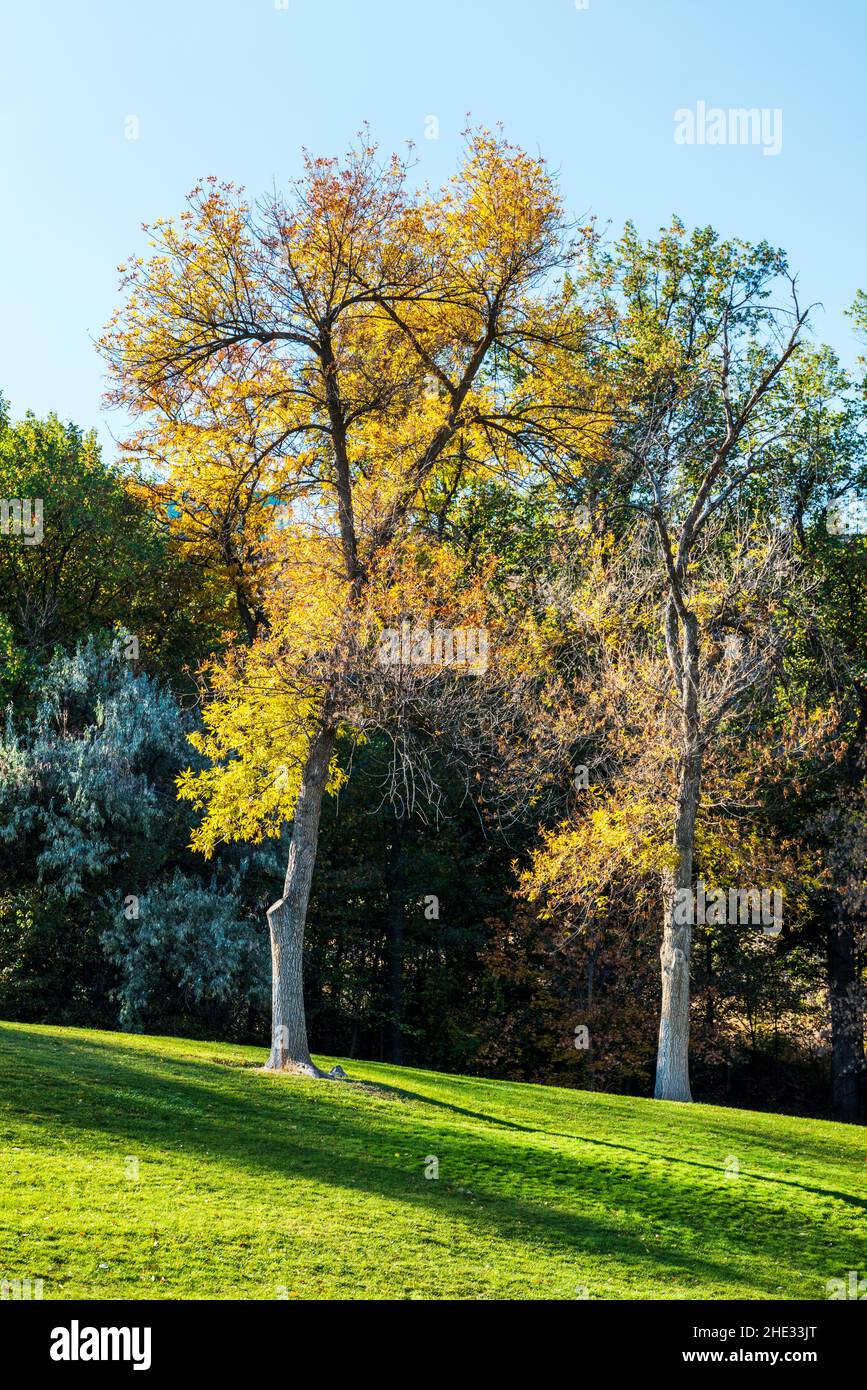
(287, 917)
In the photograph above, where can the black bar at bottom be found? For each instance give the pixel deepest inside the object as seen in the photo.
(85, 1339)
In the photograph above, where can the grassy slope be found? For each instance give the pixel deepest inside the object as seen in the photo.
(248, 1182)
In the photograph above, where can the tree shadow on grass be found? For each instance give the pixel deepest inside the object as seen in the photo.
(833, 1193)
(280, 1126)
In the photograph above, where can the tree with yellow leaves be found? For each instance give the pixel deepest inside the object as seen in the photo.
(697, 336)
(315, 362)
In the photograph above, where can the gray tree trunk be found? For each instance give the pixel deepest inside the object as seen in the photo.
(672, 1062)
(286, 919)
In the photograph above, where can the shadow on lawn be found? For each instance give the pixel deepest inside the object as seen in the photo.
(625, 1148)
(281, 1126)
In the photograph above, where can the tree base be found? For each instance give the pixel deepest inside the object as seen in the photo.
(684, 1097)
(310, 1069)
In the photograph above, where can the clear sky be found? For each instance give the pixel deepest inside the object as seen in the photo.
(237, 87)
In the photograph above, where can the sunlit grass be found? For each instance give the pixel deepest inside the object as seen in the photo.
(139, 1167)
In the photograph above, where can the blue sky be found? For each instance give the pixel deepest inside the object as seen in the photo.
(237, 87)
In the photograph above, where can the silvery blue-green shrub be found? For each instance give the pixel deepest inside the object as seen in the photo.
(89, 822)
(185, 948)
(81, 779)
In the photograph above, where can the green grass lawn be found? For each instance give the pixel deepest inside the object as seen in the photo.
(138, 1167)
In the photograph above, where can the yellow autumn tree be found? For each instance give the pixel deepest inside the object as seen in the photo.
(599, 869)
(314, 361)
